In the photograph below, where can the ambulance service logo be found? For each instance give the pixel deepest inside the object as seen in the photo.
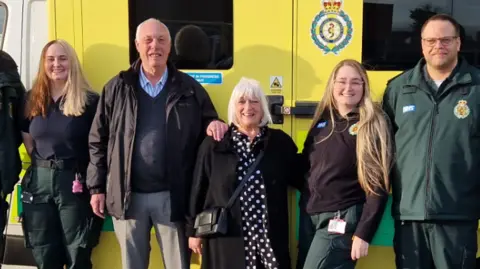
(461, 110)
(353, 130)
(332, 28)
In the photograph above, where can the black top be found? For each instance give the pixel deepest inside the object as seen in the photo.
(215, 180)
(333, 179)
(60, 137)
(148, 155)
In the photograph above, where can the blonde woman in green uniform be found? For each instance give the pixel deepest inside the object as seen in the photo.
(58, 221)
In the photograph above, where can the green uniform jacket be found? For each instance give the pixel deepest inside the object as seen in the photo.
(12, 94)
(437, 136)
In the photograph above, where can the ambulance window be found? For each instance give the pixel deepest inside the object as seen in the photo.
(3, 22)
(201, 31)
(391, 30)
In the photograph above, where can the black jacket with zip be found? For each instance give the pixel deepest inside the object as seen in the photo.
(437, 136)
(189, 110)
(12, 98)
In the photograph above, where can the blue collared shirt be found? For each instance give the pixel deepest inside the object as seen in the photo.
(153, 90)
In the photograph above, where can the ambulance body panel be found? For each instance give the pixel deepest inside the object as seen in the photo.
(290, 46)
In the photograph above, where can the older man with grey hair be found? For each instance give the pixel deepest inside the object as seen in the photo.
(144, 138)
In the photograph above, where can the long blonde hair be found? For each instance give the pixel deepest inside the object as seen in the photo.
(374, 143)
(75, 89)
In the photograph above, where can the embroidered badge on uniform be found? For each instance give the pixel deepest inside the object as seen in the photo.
(353, 130)
(461, 110)
(409, 108)
(322, 124)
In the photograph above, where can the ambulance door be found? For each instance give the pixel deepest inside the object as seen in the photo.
(263, 50)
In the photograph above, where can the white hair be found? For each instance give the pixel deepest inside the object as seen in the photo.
(251, 89)
(137, 33)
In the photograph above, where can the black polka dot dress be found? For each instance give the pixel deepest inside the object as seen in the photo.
(258, 250)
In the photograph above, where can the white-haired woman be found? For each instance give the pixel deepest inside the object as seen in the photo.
(257, 233)
(349, 147)
(59, 223)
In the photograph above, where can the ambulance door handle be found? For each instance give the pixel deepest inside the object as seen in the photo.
(302, 109)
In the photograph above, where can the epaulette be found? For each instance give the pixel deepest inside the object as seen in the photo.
(390, 80)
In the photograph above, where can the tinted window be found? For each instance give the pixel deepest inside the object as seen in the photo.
(391, 30)
(3, 22)
(201, 31)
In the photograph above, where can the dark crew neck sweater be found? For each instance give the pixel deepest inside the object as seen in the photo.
(149, 148)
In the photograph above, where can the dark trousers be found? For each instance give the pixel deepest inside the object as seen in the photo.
(435, 244)
(3, 223)
(329, 250)
(306, 232)
(59, 225)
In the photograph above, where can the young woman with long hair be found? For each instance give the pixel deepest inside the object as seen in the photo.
(60, 226)
(349, 148)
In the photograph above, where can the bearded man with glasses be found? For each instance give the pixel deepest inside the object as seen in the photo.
(435, 112)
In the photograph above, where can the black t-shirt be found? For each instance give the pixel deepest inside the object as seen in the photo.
(60, 137)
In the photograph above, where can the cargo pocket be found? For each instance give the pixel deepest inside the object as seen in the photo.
(469, 259)
(27, 178)
(25, 231)
(91, 232)
(351, 216)
(96, 226)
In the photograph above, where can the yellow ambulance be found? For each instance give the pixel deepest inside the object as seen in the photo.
(291, 46)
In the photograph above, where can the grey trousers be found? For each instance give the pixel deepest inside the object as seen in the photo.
(149, 210)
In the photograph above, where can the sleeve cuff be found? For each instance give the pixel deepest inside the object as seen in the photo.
(189, 231)
(96, 191)
(365, 237)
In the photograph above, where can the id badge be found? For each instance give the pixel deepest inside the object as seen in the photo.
(337, 225)
(77, 186)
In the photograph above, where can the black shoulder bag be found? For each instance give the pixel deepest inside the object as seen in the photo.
(214, 221)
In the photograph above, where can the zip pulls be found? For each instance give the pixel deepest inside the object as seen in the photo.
(177, 116)
(429, 152)
(172, 100)
(433, 122)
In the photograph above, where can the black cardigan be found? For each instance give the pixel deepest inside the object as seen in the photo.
(215, 180)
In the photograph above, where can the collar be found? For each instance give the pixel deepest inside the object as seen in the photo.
(132, 74)
(144, 80)
(226, 144)
(352, 115)
(460, 74)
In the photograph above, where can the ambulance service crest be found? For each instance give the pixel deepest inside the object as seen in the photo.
(353, 130)
(331, 28)
(461, 110)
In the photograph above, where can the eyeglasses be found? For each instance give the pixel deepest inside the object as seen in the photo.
(353, 83)
(445, 41)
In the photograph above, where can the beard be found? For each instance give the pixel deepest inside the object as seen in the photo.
(448, 63)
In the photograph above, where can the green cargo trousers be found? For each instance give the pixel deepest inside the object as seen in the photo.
(306, 232)
(59, 225)
(435, 244)
(330, 250)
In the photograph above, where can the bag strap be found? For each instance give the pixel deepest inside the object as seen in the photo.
(244, 180)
